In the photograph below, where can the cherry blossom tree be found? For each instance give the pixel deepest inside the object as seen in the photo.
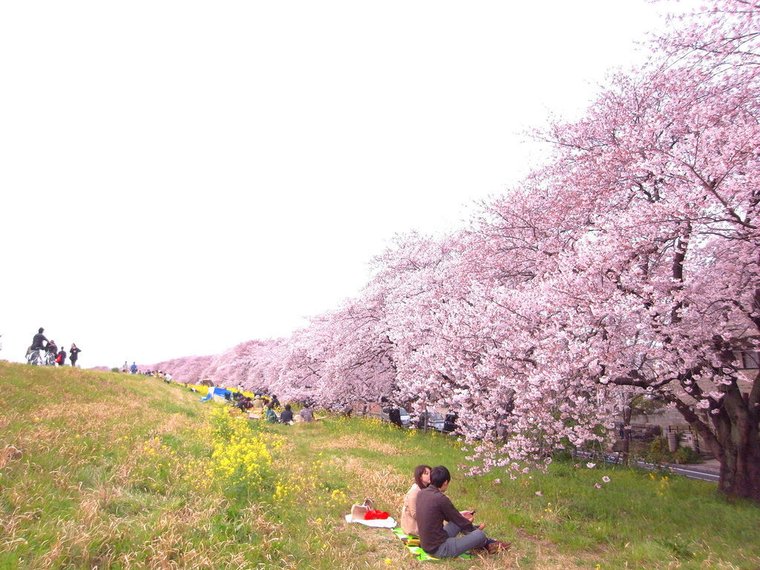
(343, 356)
(646, 220)
(628, 263)
(188, 370)
(627, 266)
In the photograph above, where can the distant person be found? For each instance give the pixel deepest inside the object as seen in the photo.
(60, 358)
(39, 341)
(133, 368)
(74, 354)
(270, 415)
(242, 402)
(306, 414)
(125, 367)
(275, 401)
(450, 423)
(286, 416)
(52, 350)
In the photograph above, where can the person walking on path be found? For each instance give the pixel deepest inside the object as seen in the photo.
(74, 354)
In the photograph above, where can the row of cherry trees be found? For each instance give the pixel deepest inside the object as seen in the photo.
(627, 265)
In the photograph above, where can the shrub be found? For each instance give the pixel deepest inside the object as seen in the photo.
(657, 452)
(686, 455)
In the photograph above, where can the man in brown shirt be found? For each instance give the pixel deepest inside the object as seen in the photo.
(434, 508)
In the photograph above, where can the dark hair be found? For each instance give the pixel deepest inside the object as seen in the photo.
(41, 330)
(439, 475)
(287, 406)
(418, 471)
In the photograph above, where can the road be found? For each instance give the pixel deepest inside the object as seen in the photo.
(709, 470)
(697, 471)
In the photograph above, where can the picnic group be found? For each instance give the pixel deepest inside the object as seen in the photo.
(428, 517)
(259, 405)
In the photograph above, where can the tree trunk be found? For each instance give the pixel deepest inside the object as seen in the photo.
(627, 413)
(740, 473)
(737, 433)
(734, 440)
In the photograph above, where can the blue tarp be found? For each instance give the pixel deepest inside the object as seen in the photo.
(215, 391)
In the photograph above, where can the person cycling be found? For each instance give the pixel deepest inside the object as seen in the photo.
(38, 343)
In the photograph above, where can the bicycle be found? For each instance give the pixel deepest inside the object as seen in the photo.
(34, 357)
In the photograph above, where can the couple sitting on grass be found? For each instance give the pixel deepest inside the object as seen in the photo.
(425, 510)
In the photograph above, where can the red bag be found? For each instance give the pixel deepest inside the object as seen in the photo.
(376, 515)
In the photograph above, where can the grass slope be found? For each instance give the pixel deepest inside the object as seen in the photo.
(129, 472)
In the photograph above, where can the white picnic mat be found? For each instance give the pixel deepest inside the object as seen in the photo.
(390, 522)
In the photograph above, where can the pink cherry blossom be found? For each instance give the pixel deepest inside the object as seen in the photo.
(626, 266)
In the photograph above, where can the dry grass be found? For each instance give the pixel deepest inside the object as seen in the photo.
(380, 482)
(176, 423)
(127, 482)
(76, 430)
(11, 523)
(98, 412)
(360, 441)
(8, 454)
(171, 540)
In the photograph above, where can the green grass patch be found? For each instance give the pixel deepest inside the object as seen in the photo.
(124, 471)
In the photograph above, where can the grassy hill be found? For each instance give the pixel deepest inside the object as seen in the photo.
(104, 470)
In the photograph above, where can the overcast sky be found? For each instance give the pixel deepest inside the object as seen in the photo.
(179, 177)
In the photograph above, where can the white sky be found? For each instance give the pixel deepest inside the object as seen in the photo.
(179, 177)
